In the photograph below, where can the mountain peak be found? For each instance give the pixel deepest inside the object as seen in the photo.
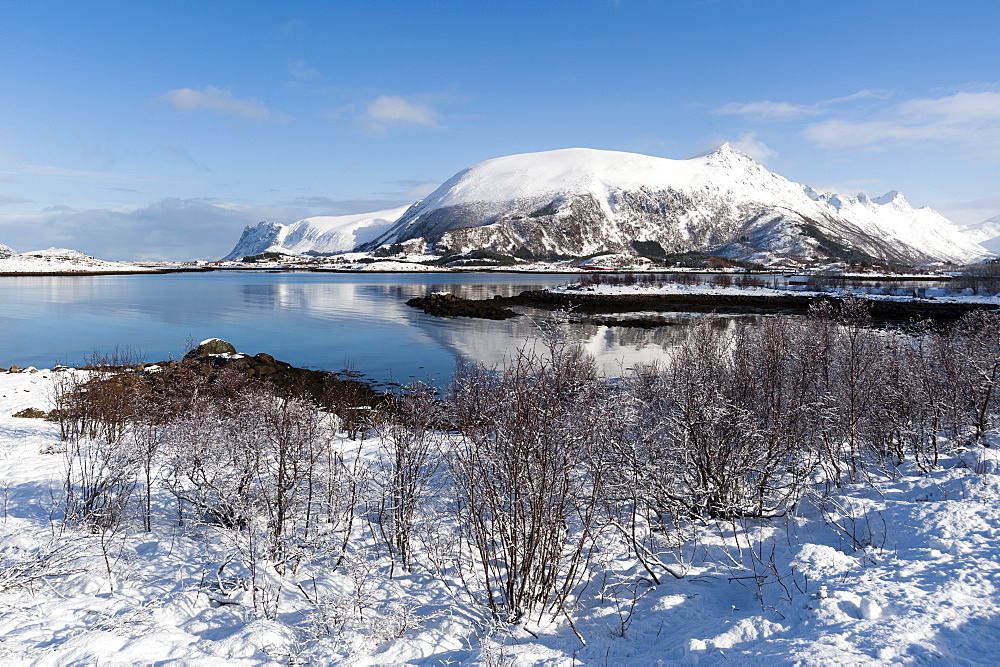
(727, 149)
(724, 150)
(889, 197)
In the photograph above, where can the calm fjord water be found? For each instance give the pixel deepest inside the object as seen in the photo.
(316, 320)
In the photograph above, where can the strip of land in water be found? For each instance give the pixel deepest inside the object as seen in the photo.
(735, 302)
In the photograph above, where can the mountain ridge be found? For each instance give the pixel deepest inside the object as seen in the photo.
(578, 202)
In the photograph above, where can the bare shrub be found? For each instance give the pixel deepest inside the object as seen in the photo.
(976, 341)
(266, 470)
(730, 438)
(406, 469)
(525, 476)
(27, 568)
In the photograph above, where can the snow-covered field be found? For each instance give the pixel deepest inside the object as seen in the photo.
(940, 294)
(902, 569)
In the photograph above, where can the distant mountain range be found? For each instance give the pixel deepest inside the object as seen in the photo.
(986, 234)
(580, 202)
(317, 235)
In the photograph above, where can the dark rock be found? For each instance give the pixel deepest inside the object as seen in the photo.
(449, 305)
(212, 346)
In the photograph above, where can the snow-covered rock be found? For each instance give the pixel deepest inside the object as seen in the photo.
(582, 202)
(320, 234)
(7, 252)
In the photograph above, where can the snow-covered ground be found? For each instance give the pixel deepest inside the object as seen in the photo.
(939, 294)
(902, 569)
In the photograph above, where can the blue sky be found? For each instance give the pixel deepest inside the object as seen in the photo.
(158, 130)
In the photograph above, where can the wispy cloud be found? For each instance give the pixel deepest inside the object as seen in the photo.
(301, 73)
(387, 111)
(754, 147)
(967, 118)
(221, 101)
(6, 200)
(971, 212)
(767, 110)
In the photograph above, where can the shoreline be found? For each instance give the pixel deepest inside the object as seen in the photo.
(61, 274)
(567, 271)
(738, 304)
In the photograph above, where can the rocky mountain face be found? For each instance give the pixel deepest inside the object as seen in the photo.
(578, 202)
(7, 252)
(320, 234)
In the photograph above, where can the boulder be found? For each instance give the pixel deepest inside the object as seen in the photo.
(211, 346)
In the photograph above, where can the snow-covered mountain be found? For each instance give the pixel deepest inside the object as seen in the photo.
(321, 234)
(60, 260)
(985, 233)
(579, 202)
(7, 252)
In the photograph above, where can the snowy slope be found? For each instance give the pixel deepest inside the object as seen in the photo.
(892, 217)
(7, 252)
(60, 260)
(322, 234)
(986, 233)
(581, 201)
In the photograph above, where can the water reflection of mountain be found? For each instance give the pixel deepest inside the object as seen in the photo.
(616, 349)
(316, 320)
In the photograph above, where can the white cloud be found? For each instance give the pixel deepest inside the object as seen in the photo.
(220, 101)
(754, 147)
(391, 110)
(766, 110)
(969, 119)
(971, 212)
